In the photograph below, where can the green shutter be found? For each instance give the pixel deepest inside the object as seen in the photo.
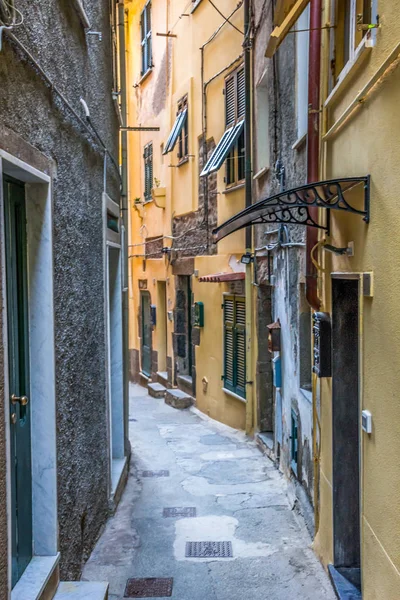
(229, 320)
(235, 345)
(240, 347)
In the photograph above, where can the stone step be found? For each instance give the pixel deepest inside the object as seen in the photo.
(178, 399)
(156, 390)
(82, 590)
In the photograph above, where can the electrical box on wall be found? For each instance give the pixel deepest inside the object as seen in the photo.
(198, 314)
(322, 344)
(274, 336)
(277, 371)
(366, 421)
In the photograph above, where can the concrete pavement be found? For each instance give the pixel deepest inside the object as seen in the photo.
(182, 459)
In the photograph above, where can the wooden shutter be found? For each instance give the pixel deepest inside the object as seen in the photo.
(229, 321)
(148, 170)
(230, 101)
(235, 345)
(241, 94)
(240, 347)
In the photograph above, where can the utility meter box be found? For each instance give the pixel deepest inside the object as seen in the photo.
(322, 330)
(277, 371)
(198, 314)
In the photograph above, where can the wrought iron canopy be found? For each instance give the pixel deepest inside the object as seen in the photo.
(292, 206)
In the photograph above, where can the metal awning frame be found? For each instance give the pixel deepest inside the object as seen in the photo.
(292, 206)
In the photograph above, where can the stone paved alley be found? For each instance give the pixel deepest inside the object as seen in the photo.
(238, 495)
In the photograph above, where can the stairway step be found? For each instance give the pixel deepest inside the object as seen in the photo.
(82, 590)
(156, 390)
(178, 399)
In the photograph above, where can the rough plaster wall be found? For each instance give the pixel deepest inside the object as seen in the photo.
(79, 66)
(288, 264)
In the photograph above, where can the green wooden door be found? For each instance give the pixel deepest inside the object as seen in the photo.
(146, 334)
(18, 359)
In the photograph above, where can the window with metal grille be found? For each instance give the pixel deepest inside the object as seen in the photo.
(146, 41)
(235, 106)
(235, 345)
(231, 147)
(148, 171)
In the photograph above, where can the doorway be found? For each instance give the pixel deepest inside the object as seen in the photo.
(162, 336)
(146, 333)
(346, 428)
(19, 377)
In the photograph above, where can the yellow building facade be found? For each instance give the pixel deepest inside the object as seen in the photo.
(358, 517)
(183, 56)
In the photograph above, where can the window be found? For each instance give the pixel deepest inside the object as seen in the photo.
(231, 145)
(235, 344)
(145, 26)
(349, 17)
(148, 171)
(302, 52)
(235, 106)
(305, 342)
(179, 132)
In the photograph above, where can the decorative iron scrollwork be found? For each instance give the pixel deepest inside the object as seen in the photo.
(292, 206)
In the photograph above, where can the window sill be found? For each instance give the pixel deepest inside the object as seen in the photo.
(349, 69)
(300, 142)
(261, 173)
(183, 161)
(233, 395)
(234, 188)
(145, 76)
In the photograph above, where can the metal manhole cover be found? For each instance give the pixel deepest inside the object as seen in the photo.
(209, 550)
(185, 511)
(151, 587)
(155, 473)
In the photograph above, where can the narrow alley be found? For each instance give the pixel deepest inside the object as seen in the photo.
(222, 489)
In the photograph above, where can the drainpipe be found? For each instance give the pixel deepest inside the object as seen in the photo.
(248, 201)
(312, 232)
(314, 70)
(124, 219)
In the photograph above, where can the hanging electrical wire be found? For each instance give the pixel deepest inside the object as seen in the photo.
(226, 18)
(9, 14)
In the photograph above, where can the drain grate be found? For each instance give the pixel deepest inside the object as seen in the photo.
(209, 550)
(151, 587)
(185, 511)
(155, 473)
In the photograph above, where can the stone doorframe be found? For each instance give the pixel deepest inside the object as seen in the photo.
(39, 209)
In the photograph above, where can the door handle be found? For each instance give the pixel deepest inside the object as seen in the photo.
(23, 400)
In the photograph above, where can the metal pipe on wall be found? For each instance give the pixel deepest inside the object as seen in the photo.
(124, 218)
(249, 289)
(314, 76)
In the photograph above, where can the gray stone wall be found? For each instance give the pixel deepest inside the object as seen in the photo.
(78, 65)
(282, 299)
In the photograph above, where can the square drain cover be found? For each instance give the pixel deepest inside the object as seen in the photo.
(208, 550)
(185, 511)
(151, 587)
(155, 473)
